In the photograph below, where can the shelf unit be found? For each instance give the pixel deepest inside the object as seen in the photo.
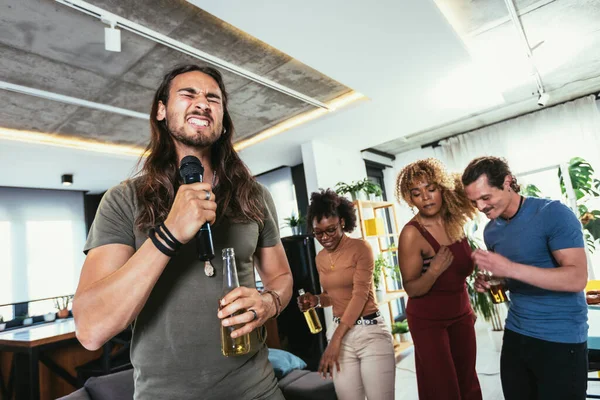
(387, 241)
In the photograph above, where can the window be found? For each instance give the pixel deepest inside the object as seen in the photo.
(42, 234)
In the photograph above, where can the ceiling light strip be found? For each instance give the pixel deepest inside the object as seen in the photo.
(69, 142)
(157, 37)
(71, 100)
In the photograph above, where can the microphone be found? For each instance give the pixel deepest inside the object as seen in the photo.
(191, 171)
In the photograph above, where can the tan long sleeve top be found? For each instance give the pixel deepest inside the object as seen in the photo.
(346, 275)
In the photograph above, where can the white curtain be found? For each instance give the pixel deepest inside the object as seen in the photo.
(537, 140)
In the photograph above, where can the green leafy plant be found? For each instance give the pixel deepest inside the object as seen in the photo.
(370, 187)
(586, 187)
(531, 191)
(1, 319)
(295, 220)
(400, 327)
(354, 188)
(380, 265)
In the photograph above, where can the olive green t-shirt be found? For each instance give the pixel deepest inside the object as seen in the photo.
(176, 345)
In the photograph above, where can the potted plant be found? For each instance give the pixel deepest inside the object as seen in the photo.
(380, 265)
(372, 189)
(62, 304)
(400, 331)
(296, 223)
(354, 188)
(49, 317)
(586, 187)
(2, 323)
(27, 320)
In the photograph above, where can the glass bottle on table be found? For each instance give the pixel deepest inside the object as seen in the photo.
(241, 344)
(312, 318)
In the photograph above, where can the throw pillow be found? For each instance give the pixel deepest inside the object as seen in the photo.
(284, 362)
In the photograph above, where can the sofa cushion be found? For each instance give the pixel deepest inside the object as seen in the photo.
(284, 362)
(80, 394)
(307, 385)
(117, 386)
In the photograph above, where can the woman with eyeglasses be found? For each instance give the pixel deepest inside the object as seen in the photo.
(435, 261)
(360, 353)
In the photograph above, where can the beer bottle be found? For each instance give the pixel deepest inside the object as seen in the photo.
(241, 344)
(312, 319)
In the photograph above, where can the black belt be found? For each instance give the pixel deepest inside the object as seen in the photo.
(365, 320)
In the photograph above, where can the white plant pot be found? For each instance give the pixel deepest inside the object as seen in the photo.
(28, 321)
(2, 326)
(49, 317)
(405, 337)
(496, 338)
(380, 295)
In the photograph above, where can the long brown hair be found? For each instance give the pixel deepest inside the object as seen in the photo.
(160, 179)
(456, 207)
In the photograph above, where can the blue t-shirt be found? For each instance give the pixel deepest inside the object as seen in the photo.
(540, 227)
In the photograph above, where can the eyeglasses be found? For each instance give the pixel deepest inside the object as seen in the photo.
(329, 232)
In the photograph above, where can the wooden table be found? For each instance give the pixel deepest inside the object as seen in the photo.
(28, 345)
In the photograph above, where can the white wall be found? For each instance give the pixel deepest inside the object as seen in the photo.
(326, 164)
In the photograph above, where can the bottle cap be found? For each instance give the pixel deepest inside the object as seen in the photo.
(228, 252)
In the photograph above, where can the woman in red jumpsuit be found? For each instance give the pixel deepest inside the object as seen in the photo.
(435, 260)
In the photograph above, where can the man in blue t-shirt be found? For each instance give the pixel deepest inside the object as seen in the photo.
(537, 246)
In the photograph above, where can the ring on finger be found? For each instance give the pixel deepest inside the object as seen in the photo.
(207, 196)
(255, 317)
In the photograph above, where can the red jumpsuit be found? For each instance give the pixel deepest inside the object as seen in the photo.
(441, 324)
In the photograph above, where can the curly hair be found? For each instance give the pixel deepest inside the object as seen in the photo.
(494, 168)
(456, 208)
(327, 203)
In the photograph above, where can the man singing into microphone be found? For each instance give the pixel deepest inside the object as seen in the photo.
(142, 265)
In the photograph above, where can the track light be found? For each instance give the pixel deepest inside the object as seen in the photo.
(67, 179)
(112, 38)
(543, 99)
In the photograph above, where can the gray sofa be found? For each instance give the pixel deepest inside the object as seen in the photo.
(297, 385)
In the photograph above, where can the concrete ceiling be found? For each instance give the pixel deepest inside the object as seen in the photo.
(46, 45)
(430, 69)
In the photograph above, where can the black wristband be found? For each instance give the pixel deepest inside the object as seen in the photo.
(178, 244)
(164, 237)
(161, 247)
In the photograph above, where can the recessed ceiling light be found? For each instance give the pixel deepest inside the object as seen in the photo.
(67, 179)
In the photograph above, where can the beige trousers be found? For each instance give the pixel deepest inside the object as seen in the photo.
(367, 364)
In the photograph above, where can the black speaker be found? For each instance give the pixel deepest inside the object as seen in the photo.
(294, 334)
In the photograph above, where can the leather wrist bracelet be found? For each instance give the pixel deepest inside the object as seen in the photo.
(276, 301)
(161, 247)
